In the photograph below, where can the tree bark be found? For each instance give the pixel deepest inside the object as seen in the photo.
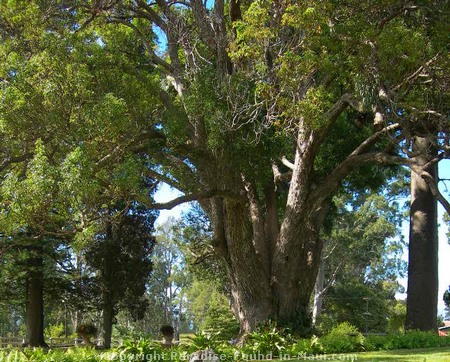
(108, 315)
(422, 293)
(35, 299)
(248, 272)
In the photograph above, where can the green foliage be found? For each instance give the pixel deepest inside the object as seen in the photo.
(204, 340)
(268, 340)
(397, 317)
(55, 330)
(408, 340)
(446, 298)
(210, 310)
(342, 339)
(139, 347)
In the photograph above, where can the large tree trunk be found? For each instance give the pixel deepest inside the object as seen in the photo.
(35, 299)
(421, 306)
(272, 268)
(295, 269)
(269, 283)
(248, 268)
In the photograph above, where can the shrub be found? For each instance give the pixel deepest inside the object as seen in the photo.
(415, 339)
(343, 338)
(204, 340)
(300, 347)
(268, 340)
(55, 330)
(377, 343)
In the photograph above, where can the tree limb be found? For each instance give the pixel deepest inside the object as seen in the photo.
(287, 163)
(11, 160)
(432, 184)
(188, 198)
(152, 55)
(135, 145)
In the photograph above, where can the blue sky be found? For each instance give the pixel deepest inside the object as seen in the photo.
(165, 193)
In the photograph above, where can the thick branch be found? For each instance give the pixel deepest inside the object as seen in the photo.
(134, 145)
(332, 115)
(163, 178)
(352, 162)
(149, 14)
(11, 160)
(191, 197)
(278, 176)
(369, 142)
(152, 55)
(287, 163)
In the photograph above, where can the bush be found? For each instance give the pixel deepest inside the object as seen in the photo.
(301, 347)
(55, 330)
(377, 343)
(415, 339)
(268, 340)
(203, 341)
(343, 338)
(146, 350)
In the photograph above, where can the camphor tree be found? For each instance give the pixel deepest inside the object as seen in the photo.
(272, 106)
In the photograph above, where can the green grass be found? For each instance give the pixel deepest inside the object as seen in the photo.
(412, 355)
(422, 355)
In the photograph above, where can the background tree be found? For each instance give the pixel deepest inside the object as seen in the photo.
(210, 310)
(120, 255)
(447, 302)
(364, 249)
(31, 216)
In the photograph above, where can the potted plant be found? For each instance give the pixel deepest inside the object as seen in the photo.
(87, 331)
(168, 334)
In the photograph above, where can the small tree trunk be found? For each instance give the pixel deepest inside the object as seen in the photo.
(108, 315)
(318, 293)
(35, 299)
(421, 306)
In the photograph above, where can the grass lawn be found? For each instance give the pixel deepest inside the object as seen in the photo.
(412, 355)
(422, 355)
